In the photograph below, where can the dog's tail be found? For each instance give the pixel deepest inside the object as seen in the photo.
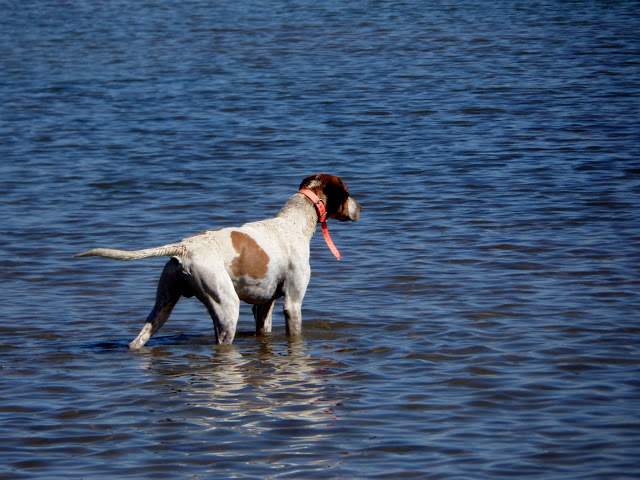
(170, 250)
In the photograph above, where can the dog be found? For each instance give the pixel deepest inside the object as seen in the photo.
(256, 263)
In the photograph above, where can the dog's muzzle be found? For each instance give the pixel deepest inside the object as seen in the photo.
(353, 210)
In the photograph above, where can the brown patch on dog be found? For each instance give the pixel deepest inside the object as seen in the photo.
(252, 260)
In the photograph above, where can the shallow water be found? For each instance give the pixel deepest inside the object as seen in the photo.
(483, 322)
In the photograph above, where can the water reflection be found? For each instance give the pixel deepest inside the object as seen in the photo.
(272, 384)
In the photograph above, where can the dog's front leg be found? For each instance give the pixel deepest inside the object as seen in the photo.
(293, 311)
(293, 319)
(262, 315)
(294, 289)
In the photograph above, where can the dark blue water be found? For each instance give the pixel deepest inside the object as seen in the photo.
(485, 319)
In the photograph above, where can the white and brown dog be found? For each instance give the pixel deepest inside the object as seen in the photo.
(257, 263)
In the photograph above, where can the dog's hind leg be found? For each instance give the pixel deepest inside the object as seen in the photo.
(225, 317)
(214, 288)
(170, 287)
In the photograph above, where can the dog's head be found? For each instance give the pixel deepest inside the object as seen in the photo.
(335, 195)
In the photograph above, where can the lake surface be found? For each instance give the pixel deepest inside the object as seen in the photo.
(484, 321)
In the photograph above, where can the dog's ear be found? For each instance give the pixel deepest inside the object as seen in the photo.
(335, 189)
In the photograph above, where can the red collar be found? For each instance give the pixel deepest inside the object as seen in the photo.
(322, 218)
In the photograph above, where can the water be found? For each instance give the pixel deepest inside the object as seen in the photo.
(484, 321)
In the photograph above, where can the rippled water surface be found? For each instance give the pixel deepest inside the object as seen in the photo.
(484, 320)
